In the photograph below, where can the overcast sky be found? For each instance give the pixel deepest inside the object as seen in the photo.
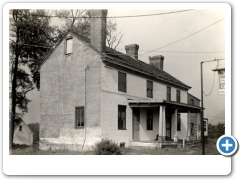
(152, 32)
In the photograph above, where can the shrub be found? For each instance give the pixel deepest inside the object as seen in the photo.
(215, 131)
(106, 147)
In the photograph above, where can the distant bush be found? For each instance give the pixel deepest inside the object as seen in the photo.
(215, 131)
(106, 147)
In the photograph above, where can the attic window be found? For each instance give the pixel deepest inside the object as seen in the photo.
(69, 45)
(20, 128)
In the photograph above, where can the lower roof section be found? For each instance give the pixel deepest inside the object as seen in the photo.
(182, 107)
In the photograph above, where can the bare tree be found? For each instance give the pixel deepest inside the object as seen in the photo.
(113, 38)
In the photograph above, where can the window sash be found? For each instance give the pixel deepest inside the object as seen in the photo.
(149, 119)
(149, 89)
(122, 82)
(168, 93)
(121, 117)
(69, 46)
(80, 117)
(178, 96)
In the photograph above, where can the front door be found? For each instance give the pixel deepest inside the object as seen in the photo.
(168, 126)
(136, 122)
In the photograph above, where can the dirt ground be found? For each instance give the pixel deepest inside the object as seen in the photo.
(210, 149)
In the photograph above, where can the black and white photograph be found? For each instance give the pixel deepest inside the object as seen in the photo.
(117, 81)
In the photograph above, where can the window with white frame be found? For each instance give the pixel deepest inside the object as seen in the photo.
(69, 45)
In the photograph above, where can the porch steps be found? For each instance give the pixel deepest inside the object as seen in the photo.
(167, 144)
(144, 145)
(153, 145)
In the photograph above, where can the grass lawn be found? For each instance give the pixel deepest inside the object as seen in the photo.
(210, 149)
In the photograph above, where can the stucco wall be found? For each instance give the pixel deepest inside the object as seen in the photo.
(22, 137)
(136, 86)
(62, 89)
(109, 123)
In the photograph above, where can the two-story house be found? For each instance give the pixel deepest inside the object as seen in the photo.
(89, 92)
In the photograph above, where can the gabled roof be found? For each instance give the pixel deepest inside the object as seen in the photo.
(25, 126)
(119, 58)
(78, 36)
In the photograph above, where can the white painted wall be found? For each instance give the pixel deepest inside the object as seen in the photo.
(109, 118)
(136, 86)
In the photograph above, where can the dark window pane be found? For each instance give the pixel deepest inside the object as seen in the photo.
(178, 96)
(149, 89)
(168, 93)
(121, 82)
(80, 117)
(149, 119)
(121, 117)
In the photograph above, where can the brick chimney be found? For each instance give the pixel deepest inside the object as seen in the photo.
(98, 29)
(157, 61)
(132, 50)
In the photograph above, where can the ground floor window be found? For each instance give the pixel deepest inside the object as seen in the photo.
(179, 122)
(79, 113)
(121, 117)
(149, 119)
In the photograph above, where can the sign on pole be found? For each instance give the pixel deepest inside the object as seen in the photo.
(221, 90)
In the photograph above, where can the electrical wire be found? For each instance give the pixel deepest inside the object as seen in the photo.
(143, 15)
(31, 45)
(182, 51)
(184, 37)
(212, 86)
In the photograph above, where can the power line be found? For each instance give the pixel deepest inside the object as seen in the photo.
(182, 51)
(143, 15)
(121, 54)
(183, 38)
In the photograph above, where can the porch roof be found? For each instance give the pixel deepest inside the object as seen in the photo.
(182, 107)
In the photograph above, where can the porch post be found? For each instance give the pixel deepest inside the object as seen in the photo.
(188, 126)
(175, 126)
(198, 125)
(160, 134)
(164, 123)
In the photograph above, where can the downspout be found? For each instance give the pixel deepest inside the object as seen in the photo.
(85, 71)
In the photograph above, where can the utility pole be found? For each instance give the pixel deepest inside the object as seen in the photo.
(202, 112)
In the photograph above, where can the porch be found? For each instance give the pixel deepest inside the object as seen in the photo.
(160, 123)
